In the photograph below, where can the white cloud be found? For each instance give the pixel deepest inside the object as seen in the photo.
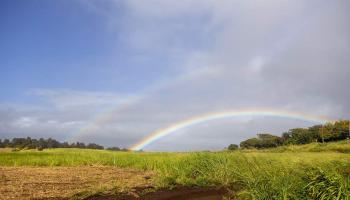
(71, 98)
(25, 122)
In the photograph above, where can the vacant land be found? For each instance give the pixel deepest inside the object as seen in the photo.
(54, 182)
(311, 171)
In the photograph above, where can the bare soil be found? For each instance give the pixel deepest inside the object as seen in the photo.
(179, 193)
(64, 182)
(92, 182)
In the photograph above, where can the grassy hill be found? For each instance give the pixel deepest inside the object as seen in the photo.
(342, 146)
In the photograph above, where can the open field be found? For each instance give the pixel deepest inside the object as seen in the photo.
(294, 172)
(64, 182)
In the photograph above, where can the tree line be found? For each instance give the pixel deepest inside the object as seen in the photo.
(40, 144)
(328, 132)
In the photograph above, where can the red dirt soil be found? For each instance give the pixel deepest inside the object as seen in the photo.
(179, 193)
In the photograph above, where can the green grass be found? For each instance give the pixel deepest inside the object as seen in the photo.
(341, 147)
(314, 171)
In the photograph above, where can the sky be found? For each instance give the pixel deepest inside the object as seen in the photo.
(113, 71)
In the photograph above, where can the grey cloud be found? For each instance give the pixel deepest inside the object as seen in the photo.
(290, 55)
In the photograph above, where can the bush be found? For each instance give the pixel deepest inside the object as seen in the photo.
(232, 147)
(40, 148)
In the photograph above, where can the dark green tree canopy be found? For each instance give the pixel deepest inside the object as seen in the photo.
(338, 130)
(29, 143)
(232, 147)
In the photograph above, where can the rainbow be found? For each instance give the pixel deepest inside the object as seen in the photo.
(158, 134)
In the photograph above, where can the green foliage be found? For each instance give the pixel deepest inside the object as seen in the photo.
(113, 148)
(337, 131)
(250, 143)
(264, 140)
(329, 132)
(29, 143)
(300, 136)
(232, 147)
(342, 146)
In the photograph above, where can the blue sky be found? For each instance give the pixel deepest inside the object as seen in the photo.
(113, 71)
(61, 44)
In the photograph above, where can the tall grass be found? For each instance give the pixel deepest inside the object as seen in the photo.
(270, 174)
(256, 176)
(340, 146)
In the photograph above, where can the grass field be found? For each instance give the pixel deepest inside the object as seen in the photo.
(313, 171)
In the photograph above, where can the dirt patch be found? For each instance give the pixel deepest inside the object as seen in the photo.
(5, 150)
(64, 182)
(183, 193)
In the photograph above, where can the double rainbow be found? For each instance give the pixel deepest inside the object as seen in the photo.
(158, 134)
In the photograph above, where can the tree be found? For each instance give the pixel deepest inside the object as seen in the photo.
(268, 140)
(33, 144)
(264, 140)
(300, 136)
(113, 148)
(80, 145)
(232, 147)
(286, 137)
(314, 132)
(51, 143)
(250, 143)
(19, 143)
(94, 146)
(65, 145)
(42, 144)
(340, 130)
(6, 143)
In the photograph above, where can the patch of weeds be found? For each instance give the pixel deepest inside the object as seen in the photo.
(166, 182)
(116, 189)
(83, 195)
(325, 185)
(147, 191)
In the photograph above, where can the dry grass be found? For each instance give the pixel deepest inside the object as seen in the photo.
(64, 182)
(5, 150)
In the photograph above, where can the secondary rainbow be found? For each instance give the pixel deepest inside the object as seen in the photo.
(158, 134)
